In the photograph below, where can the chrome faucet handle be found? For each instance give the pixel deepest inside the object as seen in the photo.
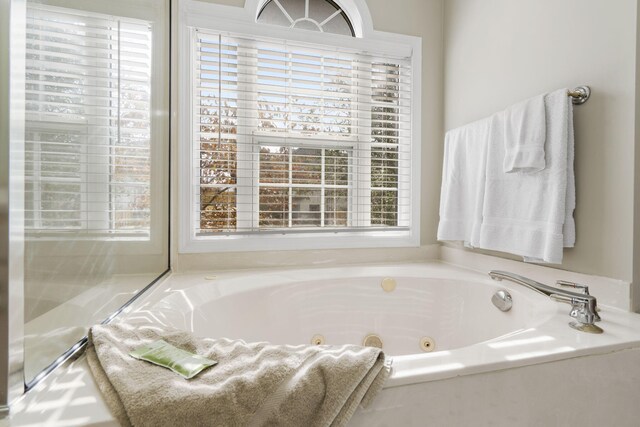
(582, 311)
(580, 288)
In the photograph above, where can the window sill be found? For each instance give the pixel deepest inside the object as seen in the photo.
(299, 241)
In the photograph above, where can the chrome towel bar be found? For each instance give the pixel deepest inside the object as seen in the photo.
(579, 95)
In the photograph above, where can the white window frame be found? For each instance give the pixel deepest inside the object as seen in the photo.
(242, 21)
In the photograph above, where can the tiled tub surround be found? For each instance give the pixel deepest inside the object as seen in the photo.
(527, 358)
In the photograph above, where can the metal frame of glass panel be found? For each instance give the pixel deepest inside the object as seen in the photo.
(12, 20)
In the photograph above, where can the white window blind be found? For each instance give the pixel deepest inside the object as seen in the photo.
(88, 123)
(292, 137)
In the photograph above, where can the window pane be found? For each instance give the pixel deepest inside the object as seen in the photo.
(384, 207)
(295, 8)
(133, 206)
(386, 95)
(323, 92)
(338, 25)
(274, 207)
(305, 207)
(60, 205)
(272, 14)
(384, 167)
(57, 160)
(217, 208)
(320, 10)
(306, 166)
(336, 207)
(274, 165)
(218, 162)
(384, 123)
(336, 167)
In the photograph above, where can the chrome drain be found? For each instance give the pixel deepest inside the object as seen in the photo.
(502, 300)
(427, 344)
(372, 340)
(317, 339)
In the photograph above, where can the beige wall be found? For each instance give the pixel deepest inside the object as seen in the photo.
(418, 18)
(500, 51)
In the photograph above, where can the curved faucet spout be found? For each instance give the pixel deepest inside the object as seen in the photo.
(529, 283)
(584, 306)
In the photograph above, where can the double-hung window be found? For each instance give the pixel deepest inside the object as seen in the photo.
(290, 141)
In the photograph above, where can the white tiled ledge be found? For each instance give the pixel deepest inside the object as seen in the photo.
(236, 261)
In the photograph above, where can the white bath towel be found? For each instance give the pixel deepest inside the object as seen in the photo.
(569, 228)
(531, 214)
(524, 136)
(463, 181)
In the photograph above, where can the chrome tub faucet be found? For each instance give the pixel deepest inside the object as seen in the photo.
(584, 307)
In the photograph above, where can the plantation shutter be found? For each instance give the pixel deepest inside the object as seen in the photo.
(292, 137)
(88, 123)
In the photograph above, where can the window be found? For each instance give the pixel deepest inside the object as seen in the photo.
(303, 187)
(294, 137)
(314, 15)
(88, 123)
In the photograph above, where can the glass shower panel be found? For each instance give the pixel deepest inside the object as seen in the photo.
(96, 156)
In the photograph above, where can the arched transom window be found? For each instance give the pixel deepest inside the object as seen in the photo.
(315, 15)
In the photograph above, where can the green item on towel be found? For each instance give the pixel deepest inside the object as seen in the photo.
(161, 353)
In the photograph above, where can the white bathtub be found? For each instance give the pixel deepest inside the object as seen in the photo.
(450, 305)
(344, 305)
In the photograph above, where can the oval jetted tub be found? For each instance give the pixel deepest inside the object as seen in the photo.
(347, 305)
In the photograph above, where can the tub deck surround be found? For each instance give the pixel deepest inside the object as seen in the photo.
(449, 304)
